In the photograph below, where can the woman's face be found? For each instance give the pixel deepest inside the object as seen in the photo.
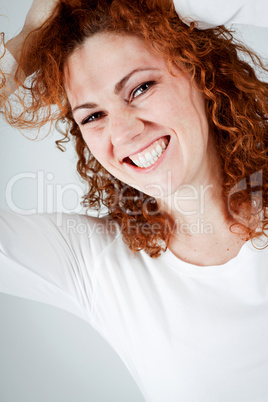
(147, 127)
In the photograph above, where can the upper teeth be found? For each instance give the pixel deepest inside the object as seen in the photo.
(149, 158)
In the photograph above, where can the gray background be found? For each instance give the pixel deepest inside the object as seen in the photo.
(48, 355)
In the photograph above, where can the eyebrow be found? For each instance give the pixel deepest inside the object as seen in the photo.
(117, 89)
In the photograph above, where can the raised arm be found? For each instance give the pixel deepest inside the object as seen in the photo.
(210, 13)
(51, 259)
(207, 13)
(39, 12)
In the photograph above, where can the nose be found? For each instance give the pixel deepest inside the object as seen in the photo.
(124, 125)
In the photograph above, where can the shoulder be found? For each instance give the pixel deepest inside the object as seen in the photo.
(79, 233)
(97, 231)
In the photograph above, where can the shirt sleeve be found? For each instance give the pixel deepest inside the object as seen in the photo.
(51, 258)
(211, 13)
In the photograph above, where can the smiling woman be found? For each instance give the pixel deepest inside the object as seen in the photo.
(189, 75)
(170, 126)
(149, 109)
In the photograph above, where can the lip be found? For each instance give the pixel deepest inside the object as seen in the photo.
(144, 147)
(155, 165)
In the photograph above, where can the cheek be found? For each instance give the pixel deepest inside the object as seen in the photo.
(187, 112)
(172, 106)
(178, 115)
(97, 147)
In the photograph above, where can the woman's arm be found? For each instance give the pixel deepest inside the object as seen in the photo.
(210, 13)
(50, 258)
(10, 52)
(207, 13)
(39, 12)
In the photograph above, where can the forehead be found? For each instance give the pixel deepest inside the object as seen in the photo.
(103, 60)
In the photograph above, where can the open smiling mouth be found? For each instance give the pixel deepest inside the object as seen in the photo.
(150, 155)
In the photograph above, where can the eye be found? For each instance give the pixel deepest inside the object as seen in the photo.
(93, 117)
(141, 89)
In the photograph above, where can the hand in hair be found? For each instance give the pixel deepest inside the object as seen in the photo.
(38, 13)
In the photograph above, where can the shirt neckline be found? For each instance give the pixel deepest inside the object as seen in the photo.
(211, 270)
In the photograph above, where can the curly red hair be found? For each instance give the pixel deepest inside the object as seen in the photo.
(236, 104)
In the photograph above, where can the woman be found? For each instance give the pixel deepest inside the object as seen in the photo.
(173, 135)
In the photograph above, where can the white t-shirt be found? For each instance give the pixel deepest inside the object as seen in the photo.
(186, 333)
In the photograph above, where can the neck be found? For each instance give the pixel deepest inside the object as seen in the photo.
(201, 232)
